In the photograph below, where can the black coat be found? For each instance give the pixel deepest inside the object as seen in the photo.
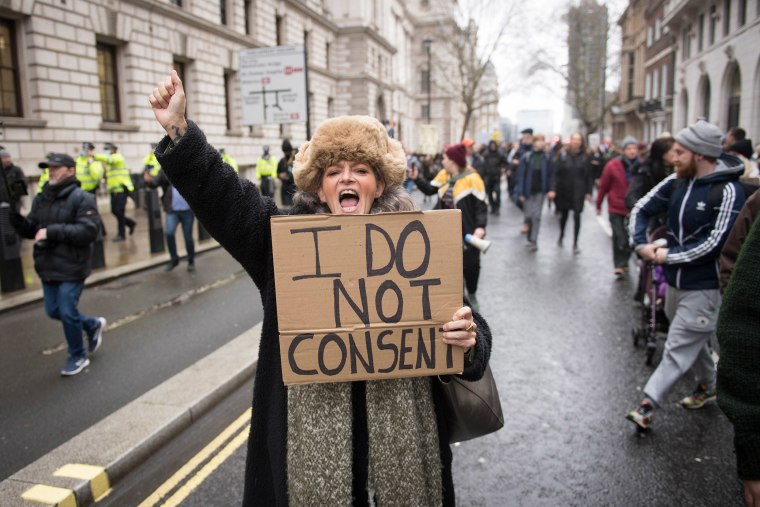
(493, 163)
(72, 221)
(573, 180)
(238, 217)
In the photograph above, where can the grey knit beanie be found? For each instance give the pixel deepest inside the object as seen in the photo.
(628, 140)
(701, 137)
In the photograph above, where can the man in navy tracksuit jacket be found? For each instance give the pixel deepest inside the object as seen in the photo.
(702, 201)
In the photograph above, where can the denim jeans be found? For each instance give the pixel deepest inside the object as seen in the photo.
(186, 218)
(61, 300)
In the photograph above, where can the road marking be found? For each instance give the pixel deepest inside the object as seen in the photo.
(97, 476)
(209, 468)
(50, 495)
(180, 475)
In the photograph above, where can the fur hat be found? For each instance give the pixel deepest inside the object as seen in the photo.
(353, 138)
(457, 154)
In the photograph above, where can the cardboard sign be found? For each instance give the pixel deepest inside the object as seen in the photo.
(364, 297)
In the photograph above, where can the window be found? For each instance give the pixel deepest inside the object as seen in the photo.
(109, 83)
(327, 55)
(330, 107)
(701, 33)
(631, 69)
(306, 41)
(178, 3)
(734, 99)
(650, 35)
(425, 112)
(706, 92)
(223, 11)
(425, 81)
(657, 28)
(278, 24)
(741, 16)
(10, 96)
(247, 13)
(713, 24)
(664, 85)
(686, 43)
(229, 78)
(656, 84)
(648, 87)
(726, 17)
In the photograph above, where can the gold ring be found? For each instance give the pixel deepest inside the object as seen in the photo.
(471, 326)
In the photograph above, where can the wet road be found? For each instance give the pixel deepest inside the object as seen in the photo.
(567, 372)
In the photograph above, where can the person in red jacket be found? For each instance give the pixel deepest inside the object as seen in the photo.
(613, 184)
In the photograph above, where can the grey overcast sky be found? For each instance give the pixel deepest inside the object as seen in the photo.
(539, 25)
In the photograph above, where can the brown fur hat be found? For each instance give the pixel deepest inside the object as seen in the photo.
(353, 138)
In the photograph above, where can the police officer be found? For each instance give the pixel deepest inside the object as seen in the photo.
(227, 159)
(119, 185)
(89, 170)
(150, 162)
(266, 170)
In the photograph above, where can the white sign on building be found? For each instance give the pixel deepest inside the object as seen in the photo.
(273, 85)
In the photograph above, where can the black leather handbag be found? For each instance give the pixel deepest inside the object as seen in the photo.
(473, 409)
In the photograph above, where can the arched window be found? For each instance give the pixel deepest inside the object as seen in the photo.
(704, 97)
(734, 98)
(380, 109)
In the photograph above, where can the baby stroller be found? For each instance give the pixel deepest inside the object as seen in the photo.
(651, 295)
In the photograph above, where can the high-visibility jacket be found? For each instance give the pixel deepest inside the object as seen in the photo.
(266, 167)
(227, 159)
(150, 164)
(117, 174)
(88, 172)
(44, 178)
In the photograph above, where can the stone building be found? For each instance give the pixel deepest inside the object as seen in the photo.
(81, 70)
(626, 118)
(659, 68)
(717, 62)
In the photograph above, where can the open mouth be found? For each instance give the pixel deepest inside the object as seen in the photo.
(349, 201)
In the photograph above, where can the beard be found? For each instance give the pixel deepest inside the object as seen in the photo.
(688, 171)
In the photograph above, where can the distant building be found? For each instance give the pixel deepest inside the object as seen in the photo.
(717, 64)
(626, 117)
(587, 54)
(659, 70)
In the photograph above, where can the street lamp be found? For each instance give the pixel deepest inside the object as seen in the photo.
(427, 43)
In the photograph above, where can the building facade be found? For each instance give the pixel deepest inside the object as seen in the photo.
(81, 70)
(626, 118)
(717, 62)
(659, 69)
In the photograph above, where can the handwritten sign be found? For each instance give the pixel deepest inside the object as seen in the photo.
(364, 297)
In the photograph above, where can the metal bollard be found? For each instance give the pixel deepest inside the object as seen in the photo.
(154, 221)
(11, 271)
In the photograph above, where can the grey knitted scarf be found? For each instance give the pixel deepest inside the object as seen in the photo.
(404, 458)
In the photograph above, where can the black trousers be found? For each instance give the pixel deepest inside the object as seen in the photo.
(563, 215)
(493, 191)
(471, 264)
(118, 208)
(621, 250)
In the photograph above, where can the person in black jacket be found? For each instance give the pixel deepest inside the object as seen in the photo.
(285, 174)
(322, 444)
(494, 164)
(64, 223)
(573, 183)
(12, 181)
(653, 170)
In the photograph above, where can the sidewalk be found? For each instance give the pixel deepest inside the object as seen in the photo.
(122, 258)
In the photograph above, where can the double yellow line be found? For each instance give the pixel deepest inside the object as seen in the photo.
(168, 495)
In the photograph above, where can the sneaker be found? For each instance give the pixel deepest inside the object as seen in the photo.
(191, 268)
(97, 337)
(132, 227)
(171, 266)
(642, 416)
(118, 238)
(532, 246)
(699, 397)
(74, 366)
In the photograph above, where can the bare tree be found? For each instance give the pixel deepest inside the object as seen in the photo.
(584, 73)
(472, 39)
